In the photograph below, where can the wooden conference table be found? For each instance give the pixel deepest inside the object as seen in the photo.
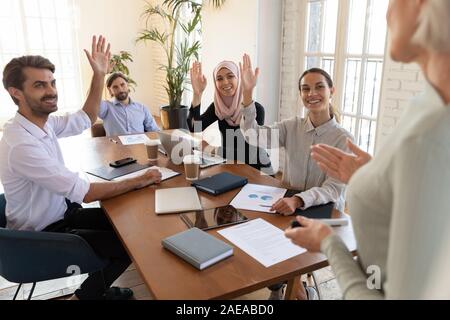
(166, 275)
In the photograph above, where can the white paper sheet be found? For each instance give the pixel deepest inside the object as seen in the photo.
(135, 139)
(165, 172)
(256, 197)
(262, 241)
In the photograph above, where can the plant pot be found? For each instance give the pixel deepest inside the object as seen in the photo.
(174, 118)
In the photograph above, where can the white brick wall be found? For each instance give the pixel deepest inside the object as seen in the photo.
(291, 46)
(401, 82)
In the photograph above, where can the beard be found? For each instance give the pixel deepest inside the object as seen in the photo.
(40, 106)
(122, 96)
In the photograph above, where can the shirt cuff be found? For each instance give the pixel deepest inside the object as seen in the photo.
(195, 108)
(329, 242)
(250, 111)
(307, 200)
(79, 190)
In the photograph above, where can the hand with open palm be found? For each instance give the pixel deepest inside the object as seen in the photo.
(198, 80)
(100, 56)
(249, 78)
(337, 163)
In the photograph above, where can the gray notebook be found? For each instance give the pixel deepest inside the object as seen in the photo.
(198, 247)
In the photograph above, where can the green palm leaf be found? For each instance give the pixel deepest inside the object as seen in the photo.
(179, 53)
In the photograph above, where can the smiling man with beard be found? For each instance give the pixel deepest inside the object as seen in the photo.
(42, 195)
(122, 115)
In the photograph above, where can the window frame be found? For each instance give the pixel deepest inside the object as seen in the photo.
(340, 57)
(66, 104)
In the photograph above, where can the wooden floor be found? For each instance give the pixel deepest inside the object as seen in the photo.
(131, 279)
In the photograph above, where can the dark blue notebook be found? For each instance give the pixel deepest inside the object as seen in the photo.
(220, 183)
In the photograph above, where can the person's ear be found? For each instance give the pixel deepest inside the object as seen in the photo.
(332, 91)
(110, 92)
(16, 93)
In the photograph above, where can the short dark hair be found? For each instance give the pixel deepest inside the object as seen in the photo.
(316, 70)
(13, 76)
(113, 77)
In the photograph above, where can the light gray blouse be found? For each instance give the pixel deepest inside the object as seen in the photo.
(400, 207)
(300, 172)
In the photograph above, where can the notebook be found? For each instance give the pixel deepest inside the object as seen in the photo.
(110, 173)
(323, 211)
(176, 200)
(198, 247)
(220, 183)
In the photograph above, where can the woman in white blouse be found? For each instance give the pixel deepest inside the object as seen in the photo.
(399, 201)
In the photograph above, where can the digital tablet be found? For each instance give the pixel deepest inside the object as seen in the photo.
(213, 218)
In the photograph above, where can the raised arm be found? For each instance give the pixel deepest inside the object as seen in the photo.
(267, 137)
(99, 59)
(199, 83)
(249, 79)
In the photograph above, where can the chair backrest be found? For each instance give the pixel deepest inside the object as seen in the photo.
(2, 211)
(98, 130)
(27, 256)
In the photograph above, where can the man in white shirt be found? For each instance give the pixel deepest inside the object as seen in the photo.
(41, 193)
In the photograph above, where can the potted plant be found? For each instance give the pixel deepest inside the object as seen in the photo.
(118, 62)
(178, 53)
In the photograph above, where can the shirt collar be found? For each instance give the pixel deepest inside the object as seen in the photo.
(117, 102)
(29, 126)
(320, 130)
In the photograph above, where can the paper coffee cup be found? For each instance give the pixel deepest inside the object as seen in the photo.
(192, 167)
(152, 149)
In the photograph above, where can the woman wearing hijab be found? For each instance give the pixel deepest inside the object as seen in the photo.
(229, 97)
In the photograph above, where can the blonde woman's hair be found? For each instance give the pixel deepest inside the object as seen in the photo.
(334, 112)
(433, 26)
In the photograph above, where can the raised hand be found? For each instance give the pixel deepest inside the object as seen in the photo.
(249, 78)
(337, 163)
(100, 56)
(198, 80)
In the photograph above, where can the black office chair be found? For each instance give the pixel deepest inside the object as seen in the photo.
(30, 257)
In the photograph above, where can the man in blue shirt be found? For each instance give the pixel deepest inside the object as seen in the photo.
(122, 115)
